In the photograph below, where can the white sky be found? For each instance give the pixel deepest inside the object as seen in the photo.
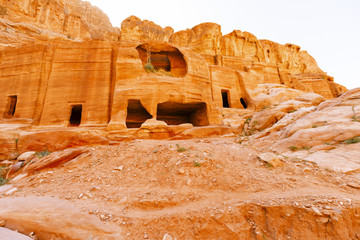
(328, 29)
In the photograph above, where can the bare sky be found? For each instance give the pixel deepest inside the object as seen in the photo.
(328, 29)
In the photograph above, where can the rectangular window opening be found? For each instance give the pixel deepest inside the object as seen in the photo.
(225, 98)
(75, 118)
(11, 106)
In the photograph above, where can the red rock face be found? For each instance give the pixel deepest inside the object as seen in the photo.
(133, 28)
(123, 81)
(26, 21)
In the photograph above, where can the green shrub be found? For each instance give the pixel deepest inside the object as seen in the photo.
(149, 67)
(293, 148)
(197, 164)
(3, 180)
(181, 149)
(355, 118)
(248, 120)
(352, 140)
(43, 153)
(305, 148)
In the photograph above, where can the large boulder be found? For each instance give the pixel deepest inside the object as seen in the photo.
(51, 218)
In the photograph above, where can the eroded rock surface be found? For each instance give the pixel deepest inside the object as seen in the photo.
(259, 143)
(328, 135)
(28, 21)
(54, 219)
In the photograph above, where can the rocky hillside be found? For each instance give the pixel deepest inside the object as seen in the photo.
(291, 172)
(236, 137)
(24, 22)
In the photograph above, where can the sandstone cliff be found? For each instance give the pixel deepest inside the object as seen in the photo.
(67, 61)
(264, 60)
(281, 154)
(133, 28)
(25, 21)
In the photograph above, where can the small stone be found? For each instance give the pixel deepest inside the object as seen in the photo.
(5, 188)
(89, 195)
(94, 189)
(271, 159)
(354, 185)
(317, 211)
(5, 163)
(25, 156)
(11, 191)
(19, 177)
(33, 236)
(17, 166)
(323, 220)
(2, 223)
(167, 237)
(120, 168)
(181, 170)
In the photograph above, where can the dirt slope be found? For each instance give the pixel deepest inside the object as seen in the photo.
(201, 189)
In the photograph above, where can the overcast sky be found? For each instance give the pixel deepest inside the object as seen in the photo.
(328, 29)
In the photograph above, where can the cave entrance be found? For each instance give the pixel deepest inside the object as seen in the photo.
(225, 98)
(11, 106)
(136, 114)
(243, 103)
(76, 113)
(162, 59)
(178, 113)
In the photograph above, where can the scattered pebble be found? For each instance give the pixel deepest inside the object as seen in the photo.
(11, 191)
(167, 237)
(316, 210)
(120, 168)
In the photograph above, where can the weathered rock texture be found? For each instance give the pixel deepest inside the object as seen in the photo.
(27, 21)
(193, 74)
(267, 61)
(328, 135)
(133, 28)
(54, 219)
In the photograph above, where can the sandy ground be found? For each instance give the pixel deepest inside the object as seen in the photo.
(197, 189)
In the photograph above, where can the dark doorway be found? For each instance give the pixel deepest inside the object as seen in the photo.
(75, 118)
(160, 61)
(225, 98)
(178, 113)
(136, 114)
(243, 102)
(11, 107)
